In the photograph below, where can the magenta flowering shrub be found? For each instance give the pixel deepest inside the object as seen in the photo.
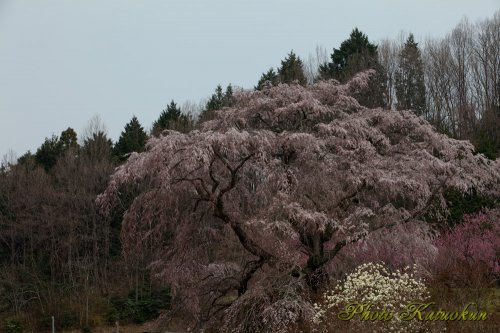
(469, 254)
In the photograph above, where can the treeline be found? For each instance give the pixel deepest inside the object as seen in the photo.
(453, 82)
(60, 256)
(56, 251)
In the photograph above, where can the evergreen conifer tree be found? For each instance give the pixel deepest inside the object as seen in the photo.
(27, 159)
(68, 138)
(357, 54)
(218, 100)
(133, 138)
(98, 147)
(292, 69)
(354, 55)
(49, 152)
(52, 149)
(172, 118)
(270, 76)
(410, 86)
(228, 99)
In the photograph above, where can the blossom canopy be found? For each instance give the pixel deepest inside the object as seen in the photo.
(247, 212)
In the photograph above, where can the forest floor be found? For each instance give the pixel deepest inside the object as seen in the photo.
(109, 329)
(123, 329)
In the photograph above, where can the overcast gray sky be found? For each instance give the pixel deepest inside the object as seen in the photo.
(61, 61)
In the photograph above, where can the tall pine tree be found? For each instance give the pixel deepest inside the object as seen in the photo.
(133, 138)
(270, 76)
(410, 86)
(354, 55)
(218, 100)
(49, 152)
(292, 69)
(172, 118)
(52, 149)
(68, 138)
(97, 147)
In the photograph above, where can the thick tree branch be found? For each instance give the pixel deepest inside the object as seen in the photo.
(418, 212)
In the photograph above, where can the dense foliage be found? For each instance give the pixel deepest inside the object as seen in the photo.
(248, 213)
(172, 118)
(269, 76)
(355, 54)
(292, 69)
(132, 139)
(59, 256)
(131, 308)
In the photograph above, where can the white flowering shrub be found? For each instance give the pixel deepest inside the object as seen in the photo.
(369, 300)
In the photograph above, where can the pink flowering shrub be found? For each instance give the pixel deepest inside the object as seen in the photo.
(469, 254)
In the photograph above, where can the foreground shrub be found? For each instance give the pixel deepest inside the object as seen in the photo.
(12, 325)
(380, 292)
(147, 307)
(468, 255)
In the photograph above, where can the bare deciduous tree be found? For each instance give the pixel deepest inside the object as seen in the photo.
(388, 51)
(314, 61)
